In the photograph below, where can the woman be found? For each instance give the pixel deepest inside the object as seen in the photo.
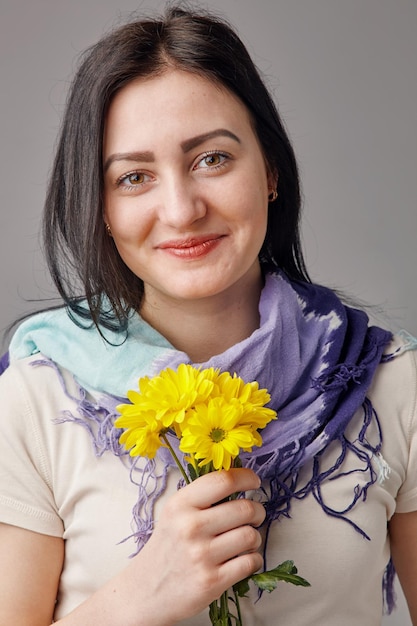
(171, 230)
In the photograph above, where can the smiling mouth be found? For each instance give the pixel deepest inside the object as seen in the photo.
(191, 248)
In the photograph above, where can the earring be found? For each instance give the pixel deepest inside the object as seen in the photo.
(108, 230)
(273, 195)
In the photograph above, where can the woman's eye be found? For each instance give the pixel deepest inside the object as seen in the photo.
(211, 160)
(133, 179)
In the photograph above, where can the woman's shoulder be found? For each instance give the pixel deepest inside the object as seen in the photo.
(393, 392)
(35, 385)
(393, 395)
(395, 381)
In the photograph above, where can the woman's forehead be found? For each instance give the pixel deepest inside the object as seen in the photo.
(175, 102)
(170, 84)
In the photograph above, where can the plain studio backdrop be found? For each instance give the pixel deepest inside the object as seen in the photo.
(343, 73)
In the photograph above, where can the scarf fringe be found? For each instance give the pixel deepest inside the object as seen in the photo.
(97, 418)
(389, 595)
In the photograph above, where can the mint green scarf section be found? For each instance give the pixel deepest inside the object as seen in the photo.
(111, 366)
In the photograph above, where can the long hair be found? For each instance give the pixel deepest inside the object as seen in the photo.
(82, 258)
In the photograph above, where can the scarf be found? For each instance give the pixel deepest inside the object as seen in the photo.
(315, 355)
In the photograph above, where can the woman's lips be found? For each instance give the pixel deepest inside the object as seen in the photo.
(191, 248)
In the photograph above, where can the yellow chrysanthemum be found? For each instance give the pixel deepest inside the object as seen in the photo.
(214, 414)
(249, 396)
(172, 393)
(214, 434)
(160, 403)
(142, 437)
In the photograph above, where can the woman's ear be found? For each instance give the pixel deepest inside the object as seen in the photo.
(107, 225)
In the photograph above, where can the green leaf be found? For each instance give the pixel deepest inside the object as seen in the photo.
(191, 472)
(242, 588)
(287, 571)
(237, 462)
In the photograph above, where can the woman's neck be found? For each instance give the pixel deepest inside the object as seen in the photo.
(208, 326)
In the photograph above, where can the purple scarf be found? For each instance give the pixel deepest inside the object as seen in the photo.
(316, 357)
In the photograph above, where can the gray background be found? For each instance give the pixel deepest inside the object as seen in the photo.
(344, 76)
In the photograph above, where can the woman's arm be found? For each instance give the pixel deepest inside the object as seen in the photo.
(30, 567)
(403, 536)
(196, 552)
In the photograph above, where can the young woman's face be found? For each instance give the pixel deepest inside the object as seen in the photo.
(186, 188)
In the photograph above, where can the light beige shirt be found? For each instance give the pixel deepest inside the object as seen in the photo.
(52, 482)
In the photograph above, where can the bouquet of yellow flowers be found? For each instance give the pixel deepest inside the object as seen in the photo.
(215, 416)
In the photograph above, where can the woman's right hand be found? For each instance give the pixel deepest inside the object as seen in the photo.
(196, 552)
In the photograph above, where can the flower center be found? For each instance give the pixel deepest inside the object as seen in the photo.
(217, 435)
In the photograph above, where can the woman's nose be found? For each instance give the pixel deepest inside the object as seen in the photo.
(181, 203)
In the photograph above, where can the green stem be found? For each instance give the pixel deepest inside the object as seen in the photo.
(224, 609)
(176, 459)
(214, 612)
(239, 614)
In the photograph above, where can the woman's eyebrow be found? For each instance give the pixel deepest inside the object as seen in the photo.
(129, 156)
(193, 142)
(186, 146)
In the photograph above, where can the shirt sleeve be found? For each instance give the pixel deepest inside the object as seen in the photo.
(26, 496)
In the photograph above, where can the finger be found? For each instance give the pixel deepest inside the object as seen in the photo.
(216, 486)
(228, 515)
(243, 566)
(244, 539)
